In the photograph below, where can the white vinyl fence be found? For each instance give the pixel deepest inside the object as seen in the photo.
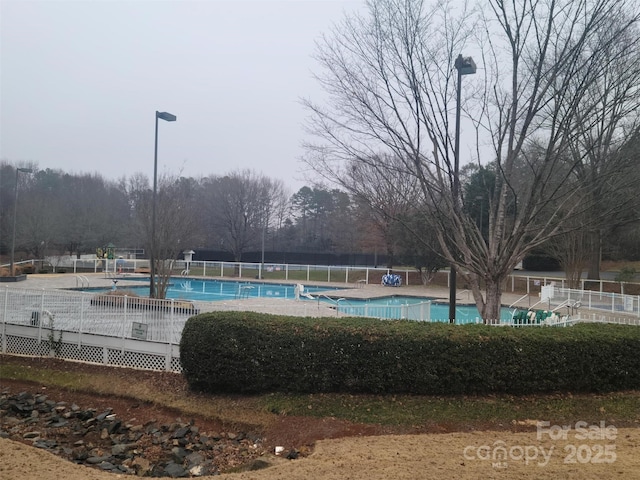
(86, 327)
(577, 301)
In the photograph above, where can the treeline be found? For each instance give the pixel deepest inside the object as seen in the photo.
(60, 213)
(237, 214)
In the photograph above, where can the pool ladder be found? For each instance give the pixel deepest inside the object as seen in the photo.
(243, 291)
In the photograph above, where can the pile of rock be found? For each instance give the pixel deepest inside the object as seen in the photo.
(102, 440)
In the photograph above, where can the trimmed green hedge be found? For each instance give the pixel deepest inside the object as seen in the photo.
(247, 352)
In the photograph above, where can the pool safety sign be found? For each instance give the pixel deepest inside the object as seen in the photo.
(139, 331)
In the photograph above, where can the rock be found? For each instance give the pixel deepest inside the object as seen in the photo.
(122, 448)
(114, 427)
(194, 459)
(97, 460)
(105, 442)
(174, 470)
(181, 432)
(142, 466)
(103, 415)
(206, 468)
(179, 454)
(107, 466)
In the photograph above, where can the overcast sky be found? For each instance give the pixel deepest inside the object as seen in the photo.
(81, 81)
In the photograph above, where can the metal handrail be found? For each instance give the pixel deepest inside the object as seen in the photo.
(521, 298)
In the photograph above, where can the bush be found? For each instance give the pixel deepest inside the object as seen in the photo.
(28, 269)
(248, 352)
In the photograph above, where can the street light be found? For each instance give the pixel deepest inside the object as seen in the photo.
(168, 117)
(15, 216)
(465, 66)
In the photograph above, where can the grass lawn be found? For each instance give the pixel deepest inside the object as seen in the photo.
(459, 412)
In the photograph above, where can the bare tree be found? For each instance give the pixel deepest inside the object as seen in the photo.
(572, 250)
(176, 214)
(384, 189)
(605, 120)
(241, 205)
(391, 83)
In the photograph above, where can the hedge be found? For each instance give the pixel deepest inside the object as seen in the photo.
(248, 352)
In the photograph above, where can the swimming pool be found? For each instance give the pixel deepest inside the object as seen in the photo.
(412, 308)
(220, 290)
(390, 307)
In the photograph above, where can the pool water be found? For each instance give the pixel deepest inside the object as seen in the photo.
(413, 307)
(220, 290)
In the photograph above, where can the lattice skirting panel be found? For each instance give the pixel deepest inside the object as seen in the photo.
(82, 353)
(176, 366)
(96, 349)
(136, 360)
(27, 346)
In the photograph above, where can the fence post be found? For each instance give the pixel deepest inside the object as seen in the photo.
(81, 320)
(167, 358)
(40, 317)
(4, 320)
(124, 322)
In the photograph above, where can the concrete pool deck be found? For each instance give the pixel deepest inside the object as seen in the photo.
(269, 305)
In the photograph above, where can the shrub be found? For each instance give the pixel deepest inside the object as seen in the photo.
(248, 352)
(6, 271)
(28, 269)
(626, 274)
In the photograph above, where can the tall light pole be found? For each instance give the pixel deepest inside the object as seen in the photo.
(264, 228)
(464, 66)
(12, 271)
(152, 254)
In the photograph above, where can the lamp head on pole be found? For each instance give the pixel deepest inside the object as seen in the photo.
(166, 116)
(465, 66)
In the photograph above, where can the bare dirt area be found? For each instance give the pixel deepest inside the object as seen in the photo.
(331, 448)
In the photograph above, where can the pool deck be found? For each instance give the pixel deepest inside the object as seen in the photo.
(266, 305)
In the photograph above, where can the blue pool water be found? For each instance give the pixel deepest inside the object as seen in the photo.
(391, 307)
(220, 290)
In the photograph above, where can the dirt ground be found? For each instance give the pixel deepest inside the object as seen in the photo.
(342, 450)
(430, 456)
